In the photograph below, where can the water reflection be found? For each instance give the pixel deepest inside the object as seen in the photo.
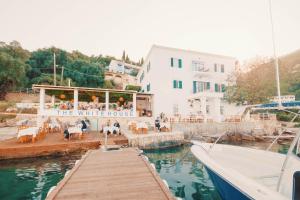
(187, 178)
(32, 178)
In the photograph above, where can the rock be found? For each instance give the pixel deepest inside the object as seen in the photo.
(248, 137)
(3, 124)
(259, 138)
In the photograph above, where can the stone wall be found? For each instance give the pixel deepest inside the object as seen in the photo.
(257, 128)
(156, 140)
(25, 97)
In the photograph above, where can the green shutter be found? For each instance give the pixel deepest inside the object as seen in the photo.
(174, 84)
(208, 85)
(172, 62)
(216, 88)
(194, 87)
(223, 88)
(180, 63)
(180, 84)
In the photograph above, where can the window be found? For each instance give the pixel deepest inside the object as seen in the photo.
(148, 67)
(220, 87)
(222, 110)
(180, 63)
(223, 87)
(216, 67)
(175, 62)
(198, 66)
(199, 86)
(148, 87)
(142, 77)
(222, 68)
(207, 109)
(177, 84)
(217, 89)
(180, 84)
(175, 109)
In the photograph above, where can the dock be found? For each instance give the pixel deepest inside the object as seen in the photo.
(120, 174)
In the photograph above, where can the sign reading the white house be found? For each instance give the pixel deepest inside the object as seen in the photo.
(88, 113)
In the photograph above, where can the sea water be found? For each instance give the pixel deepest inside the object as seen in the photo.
(32, 178)
(186, 176)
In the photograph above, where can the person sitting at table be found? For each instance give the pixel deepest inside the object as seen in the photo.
(117, 125)
(84, 126)
(66, 134)
(157, 124)
(106, 128)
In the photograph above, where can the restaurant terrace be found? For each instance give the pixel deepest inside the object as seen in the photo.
(92, 102)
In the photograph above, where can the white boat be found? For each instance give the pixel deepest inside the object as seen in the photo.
(246, 173)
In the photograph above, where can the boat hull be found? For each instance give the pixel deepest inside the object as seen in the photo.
(226, 190)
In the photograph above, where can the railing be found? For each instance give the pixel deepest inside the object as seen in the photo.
(289, 153)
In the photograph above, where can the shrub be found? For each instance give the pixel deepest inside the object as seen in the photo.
(133, 87)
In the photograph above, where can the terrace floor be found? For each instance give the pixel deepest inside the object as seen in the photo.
(54, 143)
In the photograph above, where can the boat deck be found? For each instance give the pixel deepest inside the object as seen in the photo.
(122, 174)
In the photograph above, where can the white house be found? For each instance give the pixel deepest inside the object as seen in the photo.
(185, 82)
(284, 98)
(122, 73)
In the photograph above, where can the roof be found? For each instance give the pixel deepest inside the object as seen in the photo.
(126, 64)
(192, 51)
(66, 88)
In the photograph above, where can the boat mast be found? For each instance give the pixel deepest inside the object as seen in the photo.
(275, 56)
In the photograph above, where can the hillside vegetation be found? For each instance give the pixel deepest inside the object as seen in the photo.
(257, 83)
(20, 68)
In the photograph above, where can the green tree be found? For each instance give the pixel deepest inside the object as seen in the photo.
(12, 73)
(108, 84)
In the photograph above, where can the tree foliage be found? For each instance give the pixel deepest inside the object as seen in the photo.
(257, 83)
(12, 67)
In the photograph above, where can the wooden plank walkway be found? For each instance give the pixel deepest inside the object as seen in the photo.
(112, 175)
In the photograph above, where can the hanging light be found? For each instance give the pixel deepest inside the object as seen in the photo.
(94, 97)
(62, 96)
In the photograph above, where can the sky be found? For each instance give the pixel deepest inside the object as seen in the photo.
(238, 28)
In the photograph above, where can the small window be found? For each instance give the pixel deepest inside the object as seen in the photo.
(207, 109)
(148, 66)
(177, 84)
(222, 68)
(180, 84)
(222, 110)
(223, 87)
(216, 87)
(148, 87)
(207, 86)
(175, 62)
(174, 84)
(175, 109)
(142, 77)
(216, 67)
(179, 63)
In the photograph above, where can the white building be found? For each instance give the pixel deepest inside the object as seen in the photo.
(185, 82)
(284, 98)
(122, 73)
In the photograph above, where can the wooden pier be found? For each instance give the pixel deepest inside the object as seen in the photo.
(122, 174)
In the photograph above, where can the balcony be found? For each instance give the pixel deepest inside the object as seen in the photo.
(207, 93)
